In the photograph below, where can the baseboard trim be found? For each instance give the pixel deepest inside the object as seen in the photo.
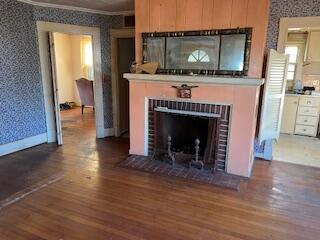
(109, 132)
(22, 144)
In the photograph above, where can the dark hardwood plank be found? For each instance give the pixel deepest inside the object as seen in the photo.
(99, 200)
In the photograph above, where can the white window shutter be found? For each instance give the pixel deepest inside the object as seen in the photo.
(273, 96)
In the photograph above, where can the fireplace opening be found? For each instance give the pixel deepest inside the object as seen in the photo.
(184, 137)
(216, 117)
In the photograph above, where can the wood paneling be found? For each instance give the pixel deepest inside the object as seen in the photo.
(168, 15)
(154, 16)
(257, 18)
(239, 13)
(177, 15)
(207, 14)
(162, 15)
(193, 14)
(221, 14)
(142, 24)
(181, 15)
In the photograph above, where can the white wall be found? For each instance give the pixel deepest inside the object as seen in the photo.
(69, 66)
(63, 53)
(76, 65)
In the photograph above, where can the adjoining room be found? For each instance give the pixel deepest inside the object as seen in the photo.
(299, 141)
(75, 82)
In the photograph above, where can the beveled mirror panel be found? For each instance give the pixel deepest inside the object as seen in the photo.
(207, 52)
(154, 50)
(232, 52)
(192, 52)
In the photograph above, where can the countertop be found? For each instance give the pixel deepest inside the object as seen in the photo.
(300, 95)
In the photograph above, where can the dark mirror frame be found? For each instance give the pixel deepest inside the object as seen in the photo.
(214, 32)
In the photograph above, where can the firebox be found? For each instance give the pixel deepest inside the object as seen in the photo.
(191, 134)
(186, 137)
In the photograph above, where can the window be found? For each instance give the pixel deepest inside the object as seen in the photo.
(87, 58)
(199, 56)
(292, 52)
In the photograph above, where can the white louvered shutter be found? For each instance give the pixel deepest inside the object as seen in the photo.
(273, 97)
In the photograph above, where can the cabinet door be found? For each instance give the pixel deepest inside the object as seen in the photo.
(289, 114)
(313, 52)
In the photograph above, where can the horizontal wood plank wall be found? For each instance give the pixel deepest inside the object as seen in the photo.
(179, 15)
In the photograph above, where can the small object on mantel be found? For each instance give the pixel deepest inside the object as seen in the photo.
(135, 67)
(150, 67)
(184, 91)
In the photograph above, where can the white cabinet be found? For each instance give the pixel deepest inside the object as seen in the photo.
(307, 111)
(313, 49)
(289, 114)
(305, 130)
(307, 120)
(301, 115)
(309, 101)
(308, 116)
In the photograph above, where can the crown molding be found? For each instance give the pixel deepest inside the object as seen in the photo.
(51, 5)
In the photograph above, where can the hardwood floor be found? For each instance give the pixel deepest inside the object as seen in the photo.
(99, 200)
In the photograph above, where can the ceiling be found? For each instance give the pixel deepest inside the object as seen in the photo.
(99, 6)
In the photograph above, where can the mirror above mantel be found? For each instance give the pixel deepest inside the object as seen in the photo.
(206, 52)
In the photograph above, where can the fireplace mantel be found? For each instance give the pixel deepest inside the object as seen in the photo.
(195, 79)
(240, 94)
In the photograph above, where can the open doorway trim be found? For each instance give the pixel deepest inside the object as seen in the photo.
(294, 22)
(43, 29)
(115, 34)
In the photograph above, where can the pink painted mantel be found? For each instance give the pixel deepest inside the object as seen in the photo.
(242, 94)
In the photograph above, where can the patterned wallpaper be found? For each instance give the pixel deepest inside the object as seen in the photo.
(21, 96)
(288, 8)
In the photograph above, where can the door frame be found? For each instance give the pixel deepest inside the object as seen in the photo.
(43, 30)
(294, 22)
(115, 35)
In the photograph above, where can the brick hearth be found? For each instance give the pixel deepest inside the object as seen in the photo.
(146, 164)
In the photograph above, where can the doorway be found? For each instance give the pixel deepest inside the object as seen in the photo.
(73, 77)
(52, 106)
(299, 141)
(123, 55)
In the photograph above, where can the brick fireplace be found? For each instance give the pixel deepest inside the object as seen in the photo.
(185, 121)
(232, 102)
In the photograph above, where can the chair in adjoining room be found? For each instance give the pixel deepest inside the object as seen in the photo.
(85, 88)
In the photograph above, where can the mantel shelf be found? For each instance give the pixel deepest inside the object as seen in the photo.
(197, 79)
